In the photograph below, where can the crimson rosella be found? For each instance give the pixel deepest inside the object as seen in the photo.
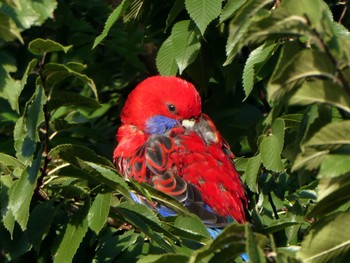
(166, 141)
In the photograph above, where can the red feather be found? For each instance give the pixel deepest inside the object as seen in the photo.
(193, 163)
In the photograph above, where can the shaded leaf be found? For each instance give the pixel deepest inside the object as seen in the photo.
(333, 192)
(144, 219)
(21, 192)
(42, 215)
(26, 133)
(73, 235)
(230, 8)
(40, 46)
(231, 239)
(239, 26)
(99, 210)
(112, 18)
(255, 253)
(55, 73)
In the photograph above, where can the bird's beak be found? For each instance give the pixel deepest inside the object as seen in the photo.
(188, 123)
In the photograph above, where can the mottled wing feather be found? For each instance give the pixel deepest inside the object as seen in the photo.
(153, 164)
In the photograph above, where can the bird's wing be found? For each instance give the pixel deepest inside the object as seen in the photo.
(158, 162)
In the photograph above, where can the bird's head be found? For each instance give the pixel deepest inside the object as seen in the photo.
(159, 103)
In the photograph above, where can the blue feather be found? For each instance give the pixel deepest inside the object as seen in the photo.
(160, 124)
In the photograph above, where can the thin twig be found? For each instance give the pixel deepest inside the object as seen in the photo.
(47, 158)
(273, 205)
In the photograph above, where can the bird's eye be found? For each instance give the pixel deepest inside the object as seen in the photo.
(171, 107)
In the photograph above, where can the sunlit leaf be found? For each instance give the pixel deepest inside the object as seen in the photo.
(326, 241)
(185, 39)
(334, 165)
(166, 60)
(99, 210)
(321, 91)
(257, 57)
(9, 30)
(251, 172)
(203, 12)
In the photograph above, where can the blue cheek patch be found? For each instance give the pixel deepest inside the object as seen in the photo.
(160, 124)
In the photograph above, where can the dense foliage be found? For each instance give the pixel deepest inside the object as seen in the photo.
(273, 75)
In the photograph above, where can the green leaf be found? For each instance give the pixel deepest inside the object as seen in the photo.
(306, 64)
(239, 26)
(280, 224)
(34, 13)
(255, 253)
(9, 160)
(333, 192)
(270, 151)
(9, 30)
(63, 98)
(332, 135)
(192, 225)
(41, 46)
(257, 57)
(251, 172)
(166, 60)
(7, 217)
(73, 235)
(55, 73)
(334, 165)
(230, 9)
(21, 192)
(175, 10)
(99, 211)
(327, 240)
(185, 39)
(26, 133)
(112, 18)
(167, 200)
(93, 167)
(271, 147)
(112, 247)
(203, 12)
(37, 234)
(12, 88)
(231, 242)
(321, 91)
(165, 258)
(144, 219)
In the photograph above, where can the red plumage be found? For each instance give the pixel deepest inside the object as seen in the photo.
(166, 141)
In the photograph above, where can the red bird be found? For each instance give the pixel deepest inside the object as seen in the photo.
(166, 141)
